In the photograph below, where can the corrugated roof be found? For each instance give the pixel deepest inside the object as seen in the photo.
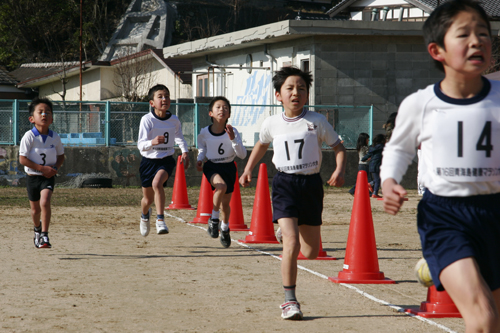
(6, 78)
(178, 65)
(26, 73)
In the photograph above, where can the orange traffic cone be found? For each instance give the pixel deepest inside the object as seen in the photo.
(438, 305)
(321, 255)
(361, 260)
(261, 225)
(236, 219)
(205, 202)
(180, 196)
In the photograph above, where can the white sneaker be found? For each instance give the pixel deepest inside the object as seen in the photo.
(279, 235)
(144, 225)
(423, 273)
(291, 311)
(161, 227)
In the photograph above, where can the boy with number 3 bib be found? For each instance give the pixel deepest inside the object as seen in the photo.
(297, 189)
(220, 143)
(457, 123)
(158, 132)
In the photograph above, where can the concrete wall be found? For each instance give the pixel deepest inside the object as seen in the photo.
(122, 165)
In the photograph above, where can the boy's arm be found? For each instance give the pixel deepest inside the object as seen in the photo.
(237, 144)
(393, 196)
(202, 151)
(337, 178)
(259, 150)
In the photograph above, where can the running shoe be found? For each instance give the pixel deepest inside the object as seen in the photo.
(279, 235)
(291, 311)
(376, 196)
(144, 225)
(423, 273)
(44, 242)
(36, 238)
(213, 228)
(225, 238)
(161, 227)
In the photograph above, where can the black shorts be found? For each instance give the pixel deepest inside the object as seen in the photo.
(149, 167)
(35, 185)
(454, 228)
(298, 196)
(227, 171)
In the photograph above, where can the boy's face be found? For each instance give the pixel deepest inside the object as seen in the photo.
(293, 94)
(468, 45)
(42, 116)
(220, 111)
(161, 100)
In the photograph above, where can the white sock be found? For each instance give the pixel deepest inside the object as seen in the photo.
(224, 226)
(215, 214)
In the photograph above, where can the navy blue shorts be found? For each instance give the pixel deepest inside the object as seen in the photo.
(453, 228)
(298, 196)
(35, 185)
(227, 171)
(149, 167)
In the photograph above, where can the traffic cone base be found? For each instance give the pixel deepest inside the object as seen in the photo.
(438, 305)
(203, 218)
(362, 278)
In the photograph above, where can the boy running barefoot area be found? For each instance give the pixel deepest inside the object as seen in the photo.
(218, 144)
(42, 153)
(297, 189)
(159, 131)
(457, 123)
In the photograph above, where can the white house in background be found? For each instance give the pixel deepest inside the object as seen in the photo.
(100, 79)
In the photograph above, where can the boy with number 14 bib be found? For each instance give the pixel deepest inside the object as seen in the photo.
(297, 189)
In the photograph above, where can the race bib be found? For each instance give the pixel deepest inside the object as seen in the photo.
(169, 138)
(43, 156)
(220, 149)
(466, 146)
(296, 152)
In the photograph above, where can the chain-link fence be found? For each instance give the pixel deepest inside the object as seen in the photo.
(117, 123)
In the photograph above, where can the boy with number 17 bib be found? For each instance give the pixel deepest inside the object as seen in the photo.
(457, 124)
(219, 144)
(297, 189)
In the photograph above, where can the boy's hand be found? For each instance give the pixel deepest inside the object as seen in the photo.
(246, 178)
(337, 179)
(185, 160)
(158, 140)
(229, 131)
(393, 196)
(48, 171)
(199, 166)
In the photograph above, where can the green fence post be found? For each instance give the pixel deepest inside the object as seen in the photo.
(15, 122)
(195, 133)
(371, 124)
(107, 118)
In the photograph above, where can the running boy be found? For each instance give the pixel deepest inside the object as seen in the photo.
(42, 153)
(297, 189)
(159, 131)
(220, 143)
(457, 123)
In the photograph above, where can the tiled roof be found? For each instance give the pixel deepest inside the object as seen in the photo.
(178, 65)
(6, 78)
(27, 73)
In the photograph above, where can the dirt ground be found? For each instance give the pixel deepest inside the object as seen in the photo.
(102, 276)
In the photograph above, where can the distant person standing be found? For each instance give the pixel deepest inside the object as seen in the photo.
(374, 155)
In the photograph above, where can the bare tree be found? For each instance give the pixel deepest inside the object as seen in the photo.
(133, 75)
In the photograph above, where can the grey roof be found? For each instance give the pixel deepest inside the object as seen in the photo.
(6, 78)
(25, 73)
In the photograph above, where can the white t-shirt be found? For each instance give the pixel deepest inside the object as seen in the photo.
(297, 141)
(40, 149)
(151, 126)
(218, 148)
(459, 138)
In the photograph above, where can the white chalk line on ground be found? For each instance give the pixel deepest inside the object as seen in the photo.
(350, 286)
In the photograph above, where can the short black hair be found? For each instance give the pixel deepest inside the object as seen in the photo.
(280, 77)
(378, 139)
(437, 24)
(151, 93)
(219, 98)
(40, 100)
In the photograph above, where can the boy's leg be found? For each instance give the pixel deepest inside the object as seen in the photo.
(310, 237)
(46, 211)
(148, 196)
(220, 190)
(159, 197)
(36, 212)
(472, 296)
(225, 238)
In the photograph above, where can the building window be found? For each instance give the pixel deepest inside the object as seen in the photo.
(202, 84)
(304, 65)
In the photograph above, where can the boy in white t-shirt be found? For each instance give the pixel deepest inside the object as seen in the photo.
(457, 123)
(42, 153)
(297, 135)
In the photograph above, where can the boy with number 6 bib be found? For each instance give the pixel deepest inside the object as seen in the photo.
(457, 123)
(297, 189)
(219, 143)
(158, 132)
(42, 153)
